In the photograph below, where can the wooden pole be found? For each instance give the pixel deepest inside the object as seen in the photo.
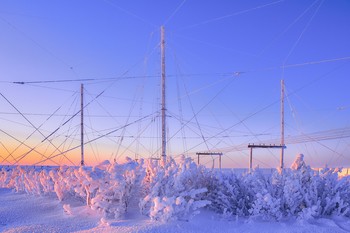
(282, 125)
(251, 159)
(82, 163)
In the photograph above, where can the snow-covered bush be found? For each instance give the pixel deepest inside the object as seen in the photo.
(58, 185)
(173, 190)
(46, 182)
(227, 193)
(298, 192)
(116, 185)
(309, 194)
(334, 198)
(265, 201)
(266, 206)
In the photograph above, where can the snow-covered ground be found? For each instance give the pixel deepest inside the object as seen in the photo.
(28, 213)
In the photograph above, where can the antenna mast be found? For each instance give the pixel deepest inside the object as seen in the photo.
(282, 125)
(162, 48)
(82, 163)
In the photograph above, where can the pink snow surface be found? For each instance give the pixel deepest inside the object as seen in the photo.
(28, 213)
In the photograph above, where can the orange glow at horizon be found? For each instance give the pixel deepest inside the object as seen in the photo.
(11, 155)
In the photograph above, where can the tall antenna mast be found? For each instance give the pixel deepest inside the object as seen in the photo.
(162, 48)
(82, 163)
(282, 125)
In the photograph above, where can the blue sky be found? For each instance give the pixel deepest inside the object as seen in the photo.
(224, 63)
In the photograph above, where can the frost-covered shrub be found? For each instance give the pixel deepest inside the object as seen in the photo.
(309, 194)
(46, 182)
(172, 190)
(266, 206)
(117, 183)
(31, 182)
(63, 179)
(266, 195)
(334, 198)
(176, 190)
(17, 180)
(4, 177)
(106, 187)
(227, 193)
(300, 191)
(297, 192)
(183, 207)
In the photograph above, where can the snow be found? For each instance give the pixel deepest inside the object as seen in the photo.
(173, 196)
(24, 213)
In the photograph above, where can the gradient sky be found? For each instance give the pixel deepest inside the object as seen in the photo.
(224, 63)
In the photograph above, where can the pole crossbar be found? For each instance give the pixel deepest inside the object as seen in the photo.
(251, 146)
(266, 146)
(210, 153)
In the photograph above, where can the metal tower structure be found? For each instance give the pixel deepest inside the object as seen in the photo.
(162, 47)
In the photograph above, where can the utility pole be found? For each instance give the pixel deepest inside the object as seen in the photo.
(82, 163)
(250, 159)
(282, 126)
(282, 146)
(162, 47)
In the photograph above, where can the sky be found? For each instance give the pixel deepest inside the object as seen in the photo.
(224, 64)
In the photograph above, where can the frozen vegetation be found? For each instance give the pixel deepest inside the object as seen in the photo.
(177, 191)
